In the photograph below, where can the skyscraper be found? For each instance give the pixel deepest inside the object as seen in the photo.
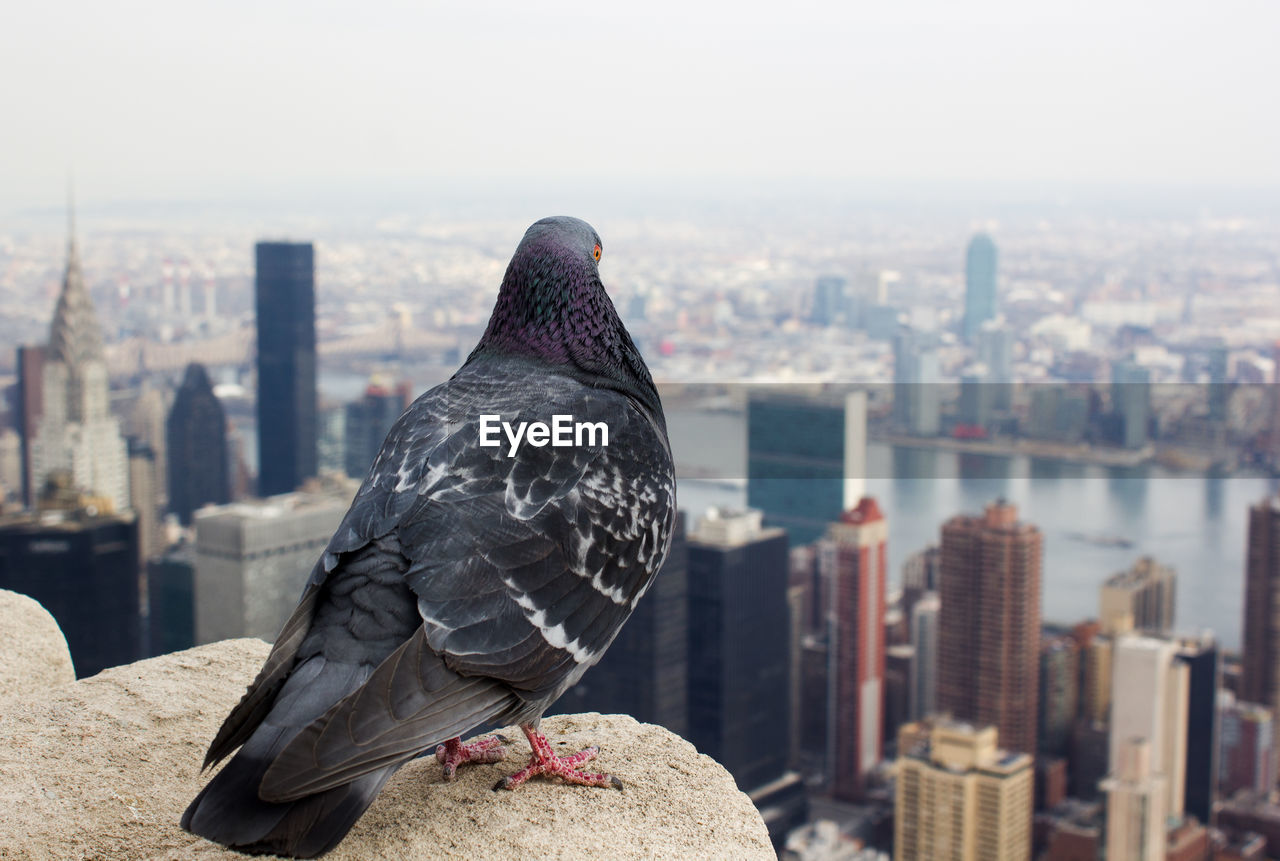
(645, 672)
(858, 558)
(916, 395)
(253, 558)
(196, 440)
(83, 567)
(1202, 658)
(1135, 804)
(1248, 748)
(30, 409)
(76, 432)
(739, 661)
(1131, 397)
(1149, 698)
(1141, 598)
(285, 295)
(923, 698)
(979, 285)
(1059, 694)
(1260, 676)
(960, 797)
(806, 459)
(828, 301)
(367, 423)
(989, 624)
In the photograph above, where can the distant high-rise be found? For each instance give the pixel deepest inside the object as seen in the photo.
(253, 558)
(806, 459)
(1260, 676)
(1248, 748)
(916, 395)
(828, 301)
(196, 439)
(77, 434)
(146, 424)
(959, 797)
(285, 291)
(1141, 598)
(989, 624)
(923, 698)
(858, 558)
(1149, 699)
(143, 501)
(645, 672)
(1135, 804)
(738, 685)
(1203, 660)
(30, 409)
(1059, 694)
(979, 285)
(1131, 397)
(83, 567)
(367, 423)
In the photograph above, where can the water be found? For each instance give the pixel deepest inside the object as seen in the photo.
(1196, 524)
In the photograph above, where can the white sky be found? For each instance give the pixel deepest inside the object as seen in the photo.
(185, 100)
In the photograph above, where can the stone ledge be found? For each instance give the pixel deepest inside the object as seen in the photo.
(104, 767)
(34, 657)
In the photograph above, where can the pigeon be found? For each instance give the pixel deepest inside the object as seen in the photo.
(470, 583)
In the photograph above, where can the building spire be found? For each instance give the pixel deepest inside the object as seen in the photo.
(75, 336)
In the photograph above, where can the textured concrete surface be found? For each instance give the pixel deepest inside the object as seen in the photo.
(104, 767)
(33, 653)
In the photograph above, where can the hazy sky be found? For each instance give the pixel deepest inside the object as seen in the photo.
(191, 101)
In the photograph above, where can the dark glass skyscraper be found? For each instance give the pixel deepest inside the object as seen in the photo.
(806, 459)
(84, 569)
(285, 291)
(739, 646)
(979, 286)
(196, 442)
(645, 672)
(1203, 662)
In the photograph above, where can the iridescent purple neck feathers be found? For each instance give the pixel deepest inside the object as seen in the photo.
(553, 307)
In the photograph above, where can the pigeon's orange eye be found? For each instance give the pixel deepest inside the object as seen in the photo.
(595, 253)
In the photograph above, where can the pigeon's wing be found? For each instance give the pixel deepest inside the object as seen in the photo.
(373, 513)
(261, 695)
(524, 567)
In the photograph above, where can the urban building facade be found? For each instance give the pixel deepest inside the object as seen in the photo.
(960, 797)
(989, 624)
(856, 553)
(76, 432)
(1260, 670)
(196, 440)
(285, 303)
(82, 566)
(806, 459)
(253, 559)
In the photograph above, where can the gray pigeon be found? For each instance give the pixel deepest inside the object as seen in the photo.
(470, 583)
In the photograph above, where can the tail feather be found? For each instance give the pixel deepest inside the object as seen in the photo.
(229, 810)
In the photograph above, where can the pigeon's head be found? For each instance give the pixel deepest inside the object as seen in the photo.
(562, 237)
(552, 307)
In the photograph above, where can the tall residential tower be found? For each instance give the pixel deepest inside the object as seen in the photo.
(989, 625)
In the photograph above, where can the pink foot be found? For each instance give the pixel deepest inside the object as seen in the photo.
(545, 761)
(454, 753)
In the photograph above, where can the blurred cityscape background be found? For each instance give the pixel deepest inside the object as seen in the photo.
(966, 321)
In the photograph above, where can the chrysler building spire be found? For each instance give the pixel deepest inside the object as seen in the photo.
(77, 433)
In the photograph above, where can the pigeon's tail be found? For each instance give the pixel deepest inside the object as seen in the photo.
(229, 811)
